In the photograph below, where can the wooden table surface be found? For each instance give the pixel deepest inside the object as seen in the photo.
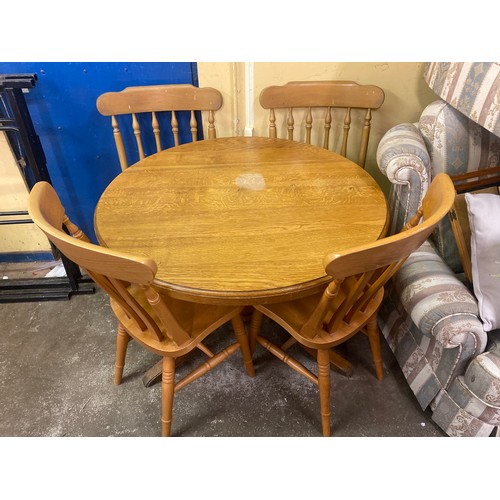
(241, 220)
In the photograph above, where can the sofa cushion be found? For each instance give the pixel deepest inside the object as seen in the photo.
(461, 414)
(484, 210)
(482, 377)
(461, 228)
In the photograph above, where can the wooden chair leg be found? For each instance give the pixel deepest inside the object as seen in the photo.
(255, 326)
(167, 394)
(374, 338)
(241, 337)
(324, 389)
(122, 340)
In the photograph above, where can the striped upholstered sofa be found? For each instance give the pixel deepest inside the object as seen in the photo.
(429, 316)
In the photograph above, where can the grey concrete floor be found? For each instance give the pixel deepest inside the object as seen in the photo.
(56, 379)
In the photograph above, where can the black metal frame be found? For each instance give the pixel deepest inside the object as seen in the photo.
(15, 120)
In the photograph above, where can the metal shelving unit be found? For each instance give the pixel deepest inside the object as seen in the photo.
(16, 122)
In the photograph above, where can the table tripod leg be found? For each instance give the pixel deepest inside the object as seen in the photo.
(153, 375)
(336, 360)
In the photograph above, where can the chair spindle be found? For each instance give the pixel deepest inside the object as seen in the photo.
(156, 131)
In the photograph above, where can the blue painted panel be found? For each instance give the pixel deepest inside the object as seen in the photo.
(77, 141)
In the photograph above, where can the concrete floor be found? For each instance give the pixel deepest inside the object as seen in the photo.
(56, 379)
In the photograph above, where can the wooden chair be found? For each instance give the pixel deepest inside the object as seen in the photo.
(485, 180)
(165, 326)
(155, 100)
(350, 302)
(328, 96)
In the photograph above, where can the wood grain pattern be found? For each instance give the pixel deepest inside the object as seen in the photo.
(163, 325)
(240, 220)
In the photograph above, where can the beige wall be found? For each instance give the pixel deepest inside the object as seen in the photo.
(406, 93)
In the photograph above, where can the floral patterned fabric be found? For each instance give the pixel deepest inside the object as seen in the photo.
(434, 331)
(473, 88)
(403, 158)
(429, 316)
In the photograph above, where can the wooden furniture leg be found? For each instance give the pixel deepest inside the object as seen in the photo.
(255, 326)
(122, 340)
(324, 389)
(167, 394)
(241, 337)
(337, 361)
(153, 375)
(372, 332)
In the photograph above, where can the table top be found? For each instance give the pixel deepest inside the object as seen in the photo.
(242, 220)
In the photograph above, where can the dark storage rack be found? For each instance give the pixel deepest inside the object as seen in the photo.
(16, 121)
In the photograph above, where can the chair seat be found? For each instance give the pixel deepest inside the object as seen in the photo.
(294, 314)
(198, 320)
(162, 324)
(349, 303)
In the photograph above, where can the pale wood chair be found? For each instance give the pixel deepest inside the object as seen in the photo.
(163, 325)
(155, 100)
(349, 304)
(325, 98)
(485, 180)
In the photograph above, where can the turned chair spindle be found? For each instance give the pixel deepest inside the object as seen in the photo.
(166, 326)
(156, 100)
(350, 302)
(327, 95)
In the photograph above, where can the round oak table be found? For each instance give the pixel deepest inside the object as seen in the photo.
(241, 220)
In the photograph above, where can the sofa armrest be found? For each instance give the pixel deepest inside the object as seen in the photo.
(402, 151)
(403, 158)
(440, 305)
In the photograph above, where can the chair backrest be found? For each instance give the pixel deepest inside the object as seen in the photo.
(112, 271)
(156, 100)
(360, 273)
(328, 96)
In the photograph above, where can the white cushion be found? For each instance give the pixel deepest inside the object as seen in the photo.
(484, 220)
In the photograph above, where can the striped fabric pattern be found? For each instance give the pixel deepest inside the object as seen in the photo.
(433, 331)
(410, 155)
(454, 143)
(473, 88)
(471, 406)
(482, 377)
(455, 412)
(403, 158)
(429, 317)
(430, 292)
(427, 366)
